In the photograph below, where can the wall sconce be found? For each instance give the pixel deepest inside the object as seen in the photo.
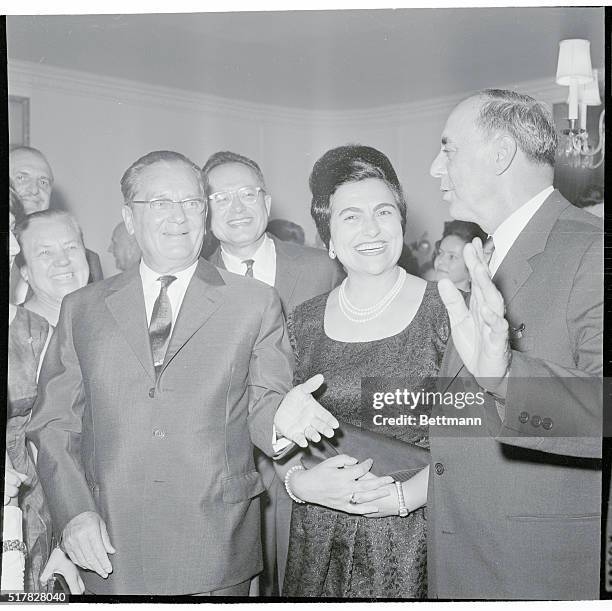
(574, 71)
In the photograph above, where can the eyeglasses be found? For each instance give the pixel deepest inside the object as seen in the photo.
(188, 205)
(247, 195)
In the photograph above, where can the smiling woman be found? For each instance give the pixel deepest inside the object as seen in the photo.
(379, 322)
(52, 260)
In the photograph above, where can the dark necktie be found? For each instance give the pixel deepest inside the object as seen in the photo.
(161, 321)
(488, 249)
(249, 269)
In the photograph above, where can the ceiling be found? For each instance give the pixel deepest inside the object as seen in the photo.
(316, 60)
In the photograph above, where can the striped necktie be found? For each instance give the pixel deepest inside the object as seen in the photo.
(161, 321)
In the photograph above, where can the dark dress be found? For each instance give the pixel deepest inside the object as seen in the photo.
(332, 553)
(26, 340)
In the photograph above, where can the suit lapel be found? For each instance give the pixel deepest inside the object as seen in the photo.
(126, 304)
(287, 271)
(516, 267)
(203, 297)
(217, 259)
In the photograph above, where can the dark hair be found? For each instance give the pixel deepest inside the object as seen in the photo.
(223, 157)
(528, 121)
(286, 230)
(130, 177)
(591, 195)
(464, 230)
(24, 224)
(344, 164)
(15, 206)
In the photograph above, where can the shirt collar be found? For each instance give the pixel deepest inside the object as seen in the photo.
(261, 255)
(507, 233)
(150, 277)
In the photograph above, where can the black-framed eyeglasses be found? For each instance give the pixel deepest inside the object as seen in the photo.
(188, 205)
(247, 195)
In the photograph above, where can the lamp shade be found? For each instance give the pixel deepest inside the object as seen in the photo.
(574, 62)
(589, 94)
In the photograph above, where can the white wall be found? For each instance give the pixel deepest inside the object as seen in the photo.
(92, 128)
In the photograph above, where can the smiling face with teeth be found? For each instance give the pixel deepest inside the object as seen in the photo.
(240, 228)
(366, 226)
(55, 262)
(170, 240)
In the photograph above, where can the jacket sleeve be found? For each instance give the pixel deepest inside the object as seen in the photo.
(270, 372)
(56, 425)
(569, 398)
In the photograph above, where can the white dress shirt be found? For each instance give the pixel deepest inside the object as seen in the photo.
(507, 233)
(264, 262)
(176, 291)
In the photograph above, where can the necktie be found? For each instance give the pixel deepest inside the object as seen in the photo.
(249, 269)
(487, 250)
(161, 321)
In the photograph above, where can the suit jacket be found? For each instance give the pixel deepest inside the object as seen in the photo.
(514, 504)
(301, 272)
(168, 461)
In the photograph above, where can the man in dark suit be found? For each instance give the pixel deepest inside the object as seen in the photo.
(514, 504)
(156, 384)
(239, 208)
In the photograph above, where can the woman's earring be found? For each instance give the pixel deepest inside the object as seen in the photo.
(332, 252)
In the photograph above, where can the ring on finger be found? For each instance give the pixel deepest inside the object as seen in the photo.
(353, 500)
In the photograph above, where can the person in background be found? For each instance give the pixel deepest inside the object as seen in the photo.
(239, 210)
(124, 248)
(448, 257)
(381, 322)
(29, 558)
(592, 200)
(32, 179)
(285, 230)
(52, 260)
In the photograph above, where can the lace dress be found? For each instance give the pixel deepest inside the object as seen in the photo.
(332, 553)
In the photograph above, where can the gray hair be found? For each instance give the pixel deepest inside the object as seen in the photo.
(528, 121)
(129, 180)
(22, 227)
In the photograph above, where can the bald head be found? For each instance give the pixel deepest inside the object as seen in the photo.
(31, 177)
(124, 248)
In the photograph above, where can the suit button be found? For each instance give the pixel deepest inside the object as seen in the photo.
(151, 392)
(159, 433)
(547, 424)
(536, 421)
(439, 467)
(524, 417)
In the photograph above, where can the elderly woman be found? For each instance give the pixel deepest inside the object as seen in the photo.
(382, 322)
(448, 258)
(28, 559)
(52, 260)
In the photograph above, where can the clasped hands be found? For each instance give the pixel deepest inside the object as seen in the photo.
(480, 332)
(344, 484)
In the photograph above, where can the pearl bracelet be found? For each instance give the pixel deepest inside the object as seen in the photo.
(287, 476)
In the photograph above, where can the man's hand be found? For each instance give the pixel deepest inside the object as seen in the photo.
(299, 417)
(12, 480)
(85, 539)
(60, 563)
(480, 332)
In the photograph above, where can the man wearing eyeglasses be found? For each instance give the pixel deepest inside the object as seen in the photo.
(239, 211)
(156, 385)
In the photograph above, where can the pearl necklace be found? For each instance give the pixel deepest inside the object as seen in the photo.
(361, 315)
